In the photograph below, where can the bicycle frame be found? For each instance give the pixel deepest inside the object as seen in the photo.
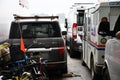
(33, 71)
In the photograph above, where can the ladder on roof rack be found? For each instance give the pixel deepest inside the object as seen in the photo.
(17, 17)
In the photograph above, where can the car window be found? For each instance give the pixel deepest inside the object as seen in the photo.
(35, 30)
(79, 28)
(80, 18)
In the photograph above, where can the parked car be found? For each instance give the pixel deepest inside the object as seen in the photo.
(74, 25)
(42, 37)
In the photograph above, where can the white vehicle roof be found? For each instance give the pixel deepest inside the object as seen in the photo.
(106, 4)
(82, 6)
(111, 3)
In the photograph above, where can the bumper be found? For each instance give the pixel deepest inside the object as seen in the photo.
(77, 47)
(60, 62)
(56, 65)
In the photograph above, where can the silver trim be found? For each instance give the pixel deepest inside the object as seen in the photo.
(60, 62)
(42, 49)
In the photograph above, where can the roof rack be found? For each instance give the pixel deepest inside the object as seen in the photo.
(17, 17)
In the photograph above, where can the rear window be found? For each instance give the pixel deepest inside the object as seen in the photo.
(80, 17)
(35, 30)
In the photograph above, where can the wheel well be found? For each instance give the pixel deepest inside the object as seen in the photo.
(91, 58)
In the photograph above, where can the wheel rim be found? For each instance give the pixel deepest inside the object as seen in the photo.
(92, 72)
(92, 69)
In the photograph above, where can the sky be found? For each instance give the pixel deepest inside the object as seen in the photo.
(50, 7)
(53, 6)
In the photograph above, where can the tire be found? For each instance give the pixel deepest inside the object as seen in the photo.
(106, 75)
(68, 44)
(95, 76)
(64, 70)
(81, 55)
(73, 54)
(71, 51)
(83, 63)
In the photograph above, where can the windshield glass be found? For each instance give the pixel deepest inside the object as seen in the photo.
(80, 18)
(35, 30)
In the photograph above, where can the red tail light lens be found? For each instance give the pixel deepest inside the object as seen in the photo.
(61, 50)
(74, 31)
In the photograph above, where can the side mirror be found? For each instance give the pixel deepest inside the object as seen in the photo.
(104, 29)
(64, 32)
(66, 24)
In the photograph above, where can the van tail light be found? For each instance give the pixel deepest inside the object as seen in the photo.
(61, 50)
(74, 31)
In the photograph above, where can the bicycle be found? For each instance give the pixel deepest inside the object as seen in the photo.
(28, 72)
(22, 66)
(16, 74)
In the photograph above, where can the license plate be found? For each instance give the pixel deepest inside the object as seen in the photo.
(44, 55)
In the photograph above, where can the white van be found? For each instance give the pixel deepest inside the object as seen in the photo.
(75, 28)
(103, 15)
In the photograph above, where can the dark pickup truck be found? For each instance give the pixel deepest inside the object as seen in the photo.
(41, 38)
